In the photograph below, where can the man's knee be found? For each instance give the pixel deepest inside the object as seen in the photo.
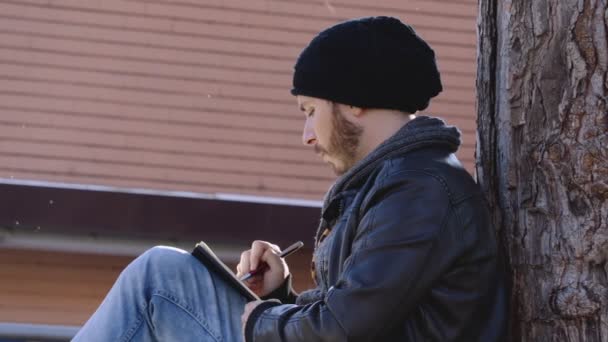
(157, 260)
(164, 256)
(157, 265)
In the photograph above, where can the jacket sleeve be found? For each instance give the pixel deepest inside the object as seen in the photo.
(284, 293)
(396, 257)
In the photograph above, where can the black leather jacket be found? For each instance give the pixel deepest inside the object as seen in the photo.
(411, 256)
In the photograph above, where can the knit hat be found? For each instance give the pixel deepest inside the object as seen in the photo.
(373, 62)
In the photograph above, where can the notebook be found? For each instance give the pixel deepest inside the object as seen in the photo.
(205, 255)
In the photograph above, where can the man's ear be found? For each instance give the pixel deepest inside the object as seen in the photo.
(356, 111)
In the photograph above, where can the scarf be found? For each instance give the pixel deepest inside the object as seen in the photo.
(423, 131)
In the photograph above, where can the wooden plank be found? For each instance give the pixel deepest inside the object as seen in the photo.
(53, 288)
(41, 302)
(188, 55)
(192, 102)
(166, 40)
(15, 140)
(13, 127)
(433, 34)
(266, 18)
(187, 181)
(167, 162)
(297, 155)
(56, 288)
(48, 127)
(330, 9)
(122, 83)
(291, 138)
(59, 316)
(290, 118)
(230, 180)
(284, 50)
(188, 131)
(161, 68)
(218, 133)
(466, 157)
(46, 258)
(286, 122)
(31, 65)
(40, 284)
(145, 68)
(49, 176)
(63, 270)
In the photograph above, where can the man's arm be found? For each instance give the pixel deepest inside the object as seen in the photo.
(395, 260)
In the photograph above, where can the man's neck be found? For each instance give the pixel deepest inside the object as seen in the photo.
(384, 126)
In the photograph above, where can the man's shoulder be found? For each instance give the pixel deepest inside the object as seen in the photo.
(432, 161)
(432, 166)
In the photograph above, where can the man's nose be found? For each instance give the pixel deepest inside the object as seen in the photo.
(308, 136)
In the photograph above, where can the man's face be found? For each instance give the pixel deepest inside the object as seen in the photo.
(333, 136)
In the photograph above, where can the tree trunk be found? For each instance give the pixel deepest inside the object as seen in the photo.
(542, 160)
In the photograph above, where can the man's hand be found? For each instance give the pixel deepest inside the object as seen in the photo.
(248, 309)
(262, 251)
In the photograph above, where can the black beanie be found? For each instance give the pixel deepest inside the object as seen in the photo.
(373, 62)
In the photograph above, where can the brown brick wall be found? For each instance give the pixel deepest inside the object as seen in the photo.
(189, 95)
(66, 288)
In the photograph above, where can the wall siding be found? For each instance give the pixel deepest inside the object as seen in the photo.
(65, 288)
(189, 95)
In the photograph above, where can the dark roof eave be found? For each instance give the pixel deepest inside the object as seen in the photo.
(147, 216)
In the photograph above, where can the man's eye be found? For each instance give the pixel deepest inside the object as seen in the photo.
(312, 111)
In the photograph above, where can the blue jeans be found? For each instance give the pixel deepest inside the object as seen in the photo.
(166, 295)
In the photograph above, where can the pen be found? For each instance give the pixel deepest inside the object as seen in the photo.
(285, 253)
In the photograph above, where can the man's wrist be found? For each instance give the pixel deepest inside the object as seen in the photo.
(254, 315)
(281, 291)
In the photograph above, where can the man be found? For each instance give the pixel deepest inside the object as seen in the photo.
(405, 250)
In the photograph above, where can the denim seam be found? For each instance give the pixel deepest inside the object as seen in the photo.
(202, 322)
(140, 318)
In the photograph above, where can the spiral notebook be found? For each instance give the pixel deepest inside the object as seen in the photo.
(205, 255)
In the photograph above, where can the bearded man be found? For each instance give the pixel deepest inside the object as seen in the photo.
(405, 250)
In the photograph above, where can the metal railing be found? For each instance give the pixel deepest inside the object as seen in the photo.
(36, 332)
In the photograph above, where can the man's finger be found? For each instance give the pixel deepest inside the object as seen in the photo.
(243, 266)
(270, 257)
(258, 248)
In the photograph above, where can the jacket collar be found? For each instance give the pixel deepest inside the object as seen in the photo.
(421, 132)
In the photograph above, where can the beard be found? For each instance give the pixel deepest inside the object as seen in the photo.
(343, 142)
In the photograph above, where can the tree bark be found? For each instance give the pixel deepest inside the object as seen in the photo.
(542, 160)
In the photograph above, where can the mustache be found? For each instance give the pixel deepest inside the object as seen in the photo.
(318, 149)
